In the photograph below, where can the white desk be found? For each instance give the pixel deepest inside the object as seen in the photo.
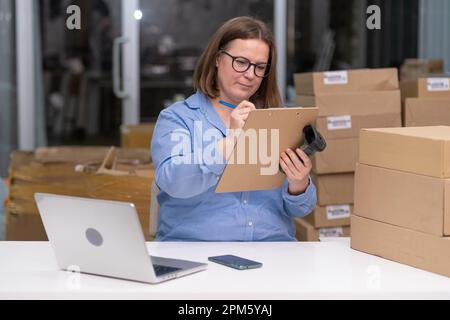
(291, 271)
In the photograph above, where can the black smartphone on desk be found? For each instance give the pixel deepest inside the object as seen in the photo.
(236, 262)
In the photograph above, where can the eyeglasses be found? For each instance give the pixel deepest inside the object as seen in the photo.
(241, 65)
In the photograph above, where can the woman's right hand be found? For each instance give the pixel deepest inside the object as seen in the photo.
(240, 114)
(237, 120)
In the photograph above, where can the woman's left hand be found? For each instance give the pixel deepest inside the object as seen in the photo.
(297, 167)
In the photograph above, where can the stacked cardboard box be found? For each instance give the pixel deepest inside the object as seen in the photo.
(307, 232)
(402, 196)
(426, 102)
(415, 68)
(74, 172)
(348, 101)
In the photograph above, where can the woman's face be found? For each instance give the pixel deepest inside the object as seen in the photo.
(235, 86)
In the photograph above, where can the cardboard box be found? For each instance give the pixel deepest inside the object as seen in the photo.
(421, 150)
(413, 248)
(23, 225)
(306, 232)
(334, 188)
(354, 103)
(340, 127)
(340, 156)
(403, 199)
(344, 115)
(436, 87)
(28, 176)
(83, 155)
(416, 68)
(426, 112)
(346, 81)
(137, 136)
(330, 216)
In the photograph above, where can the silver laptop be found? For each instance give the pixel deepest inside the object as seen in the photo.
(104, 238)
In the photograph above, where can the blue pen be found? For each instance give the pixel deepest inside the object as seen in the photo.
(229, 105)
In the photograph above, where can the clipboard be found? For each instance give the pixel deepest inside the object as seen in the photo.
(247, 175)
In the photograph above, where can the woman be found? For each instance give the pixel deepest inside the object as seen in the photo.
(237, 67)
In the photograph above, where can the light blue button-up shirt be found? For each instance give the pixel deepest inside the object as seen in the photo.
(189, 208)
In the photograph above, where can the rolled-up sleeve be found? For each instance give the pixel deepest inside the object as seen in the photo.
(300, 205)
(177, 172)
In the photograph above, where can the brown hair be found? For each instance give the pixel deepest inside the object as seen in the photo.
(205, 76)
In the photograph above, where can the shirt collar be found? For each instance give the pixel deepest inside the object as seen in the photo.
(193, 101)
(201, 101)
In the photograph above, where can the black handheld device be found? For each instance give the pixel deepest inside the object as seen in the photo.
(313, 142)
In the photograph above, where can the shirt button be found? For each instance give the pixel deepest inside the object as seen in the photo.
(245, 201)
(250, 223)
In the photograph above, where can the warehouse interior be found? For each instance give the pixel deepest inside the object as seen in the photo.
(83, 82)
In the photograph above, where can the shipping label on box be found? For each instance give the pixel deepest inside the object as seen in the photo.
(337, 212)
(339, 122)
(352, 128)
(330, 216)
(331, 232)
(438, 84)
(335, 77)
(346, 81)
(306, 232)
(344, 115)
(426, 88)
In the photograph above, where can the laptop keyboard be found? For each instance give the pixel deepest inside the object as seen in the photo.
(162, 270)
